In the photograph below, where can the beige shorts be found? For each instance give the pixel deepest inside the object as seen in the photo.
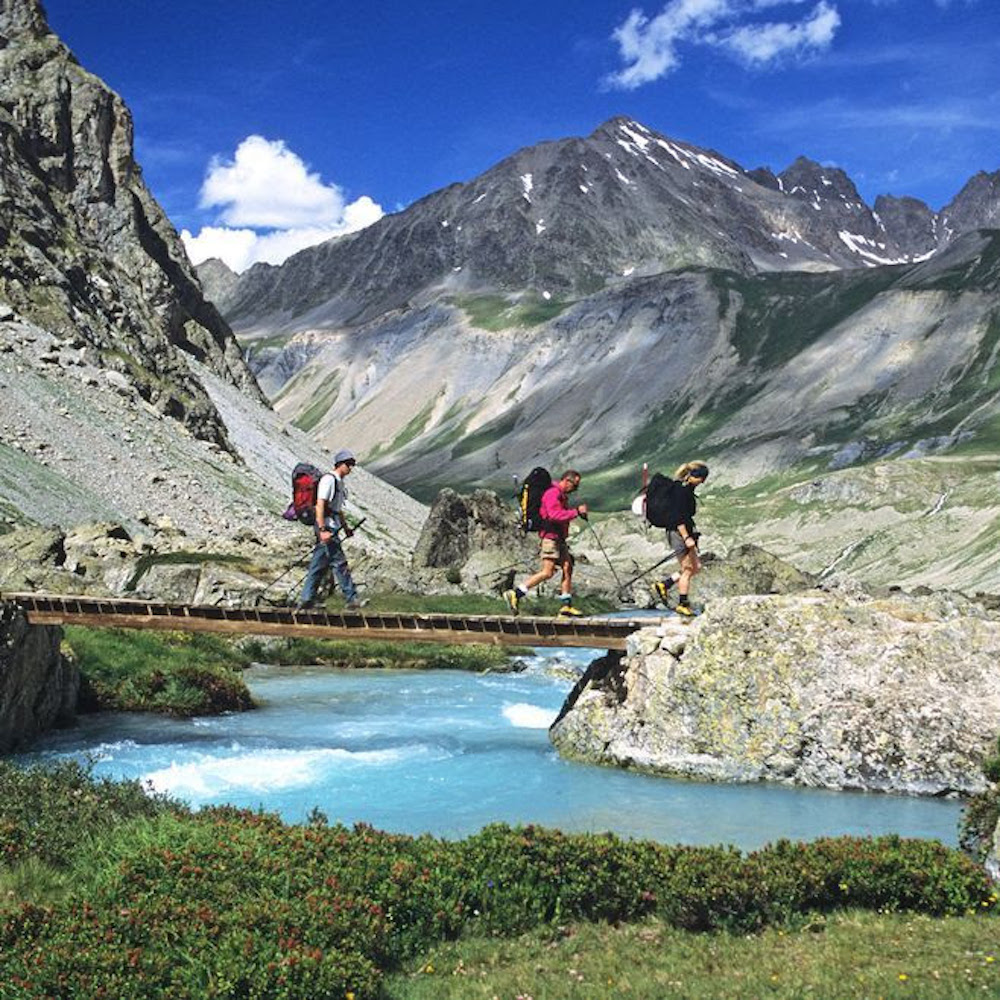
(555, 548)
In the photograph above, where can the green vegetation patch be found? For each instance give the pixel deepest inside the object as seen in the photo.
(497, 312)
(323, 399)
(982, 812)
(257, 345)
(411, 655)
(227, 902)
(175, 673)
(781, 314)
(410, 432)
(488, 435)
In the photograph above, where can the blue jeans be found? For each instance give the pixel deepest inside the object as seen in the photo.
(328, 555)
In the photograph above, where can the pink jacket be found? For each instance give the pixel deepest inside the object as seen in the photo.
(555, 513)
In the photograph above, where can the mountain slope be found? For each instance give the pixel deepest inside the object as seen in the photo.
(767, 372)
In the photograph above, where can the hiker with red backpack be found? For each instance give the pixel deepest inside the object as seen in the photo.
(554, 516)
(331, 494)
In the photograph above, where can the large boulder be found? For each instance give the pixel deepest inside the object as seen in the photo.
(832, 690)
(473, 538)
(38, 684)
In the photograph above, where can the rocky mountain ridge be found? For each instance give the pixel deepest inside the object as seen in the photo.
(780, 359)
(569, 217)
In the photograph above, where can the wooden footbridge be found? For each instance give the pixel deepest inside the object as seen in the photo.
(53, 609)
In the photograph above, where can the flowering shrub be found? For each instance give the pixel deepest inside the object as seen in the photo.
(232, 903)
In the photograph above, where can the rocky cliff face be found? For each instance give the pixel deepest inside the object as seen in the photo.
(38, 685)
(829, 690)
(85, 251)
(125, 403)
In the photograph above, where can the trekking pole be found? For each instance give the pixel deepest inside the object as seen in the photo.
(606, 559)
(351, 530)
(294, 565)
(639, 576)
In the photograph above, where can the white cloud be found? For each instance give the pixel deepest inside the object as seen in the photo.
(271, 206)
(649, 48)
(759, 44)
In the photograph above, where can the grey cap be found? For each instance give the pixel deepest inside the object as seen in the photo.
(343, 456)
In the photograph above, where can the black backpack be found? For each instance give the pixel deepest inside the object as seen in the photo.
(305, 482)
(529, 498)
(661, 502)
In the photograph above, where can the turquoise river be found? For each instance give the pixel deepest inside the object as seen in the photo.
(447, 752)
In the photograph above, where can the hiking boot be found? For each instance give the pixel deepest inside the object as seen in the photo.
(513, 600)
(660, 590)
(305, 606)
(685, 610)
(356, 604)
(568, 611)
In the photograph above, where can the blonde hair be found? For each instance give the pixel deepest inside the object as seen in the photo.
(684, 471)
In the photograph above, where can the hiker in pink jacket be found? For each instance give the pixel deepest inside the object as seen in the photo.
(556, 514)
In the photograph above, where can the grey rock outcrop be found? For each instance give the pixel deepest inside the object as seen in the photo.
(474, 538)
(38, 684)
(85, 250)
(458, 525)
(829, 690)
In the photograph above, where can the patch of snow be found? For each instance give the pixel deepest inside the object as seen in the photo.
(640, 140)
(480, 198)
(527, 182)
(539, 227)
(627, 271)
(866, 248)
(675, 152)
(445, 223)
(622, 177)
(546, 295)
(584, 189)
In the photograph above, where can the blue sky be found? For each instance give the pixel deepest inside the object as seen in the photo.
(263, 125)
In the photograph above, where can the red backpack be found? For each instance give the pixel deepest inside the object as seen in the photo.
(305, 482)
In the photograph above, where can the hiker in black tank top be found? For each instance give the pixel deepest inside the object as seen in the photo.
(682, 537)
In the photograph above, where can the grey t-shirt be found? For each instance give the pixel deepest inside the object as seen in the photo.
(333, 490)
